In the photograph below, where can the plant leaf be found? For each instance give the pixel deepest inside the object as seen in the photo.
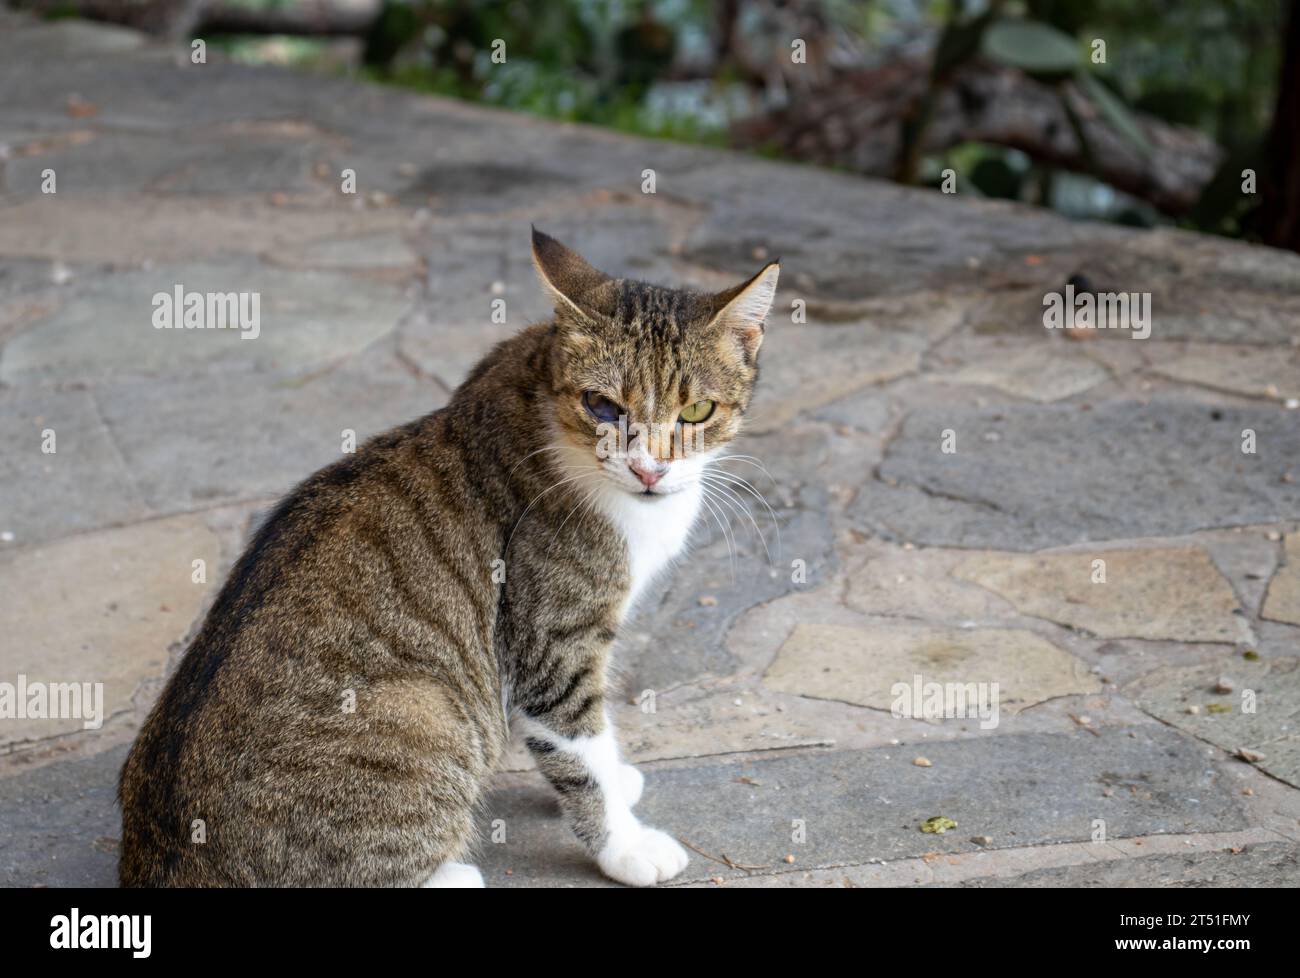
(1115, 111)
(1035, 48)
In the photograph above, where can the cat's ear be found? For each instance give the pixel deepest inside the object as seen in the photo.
(566, 275)
(742, 309)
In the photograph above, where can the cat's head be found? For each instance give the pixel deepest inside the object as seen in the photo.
(648, 382)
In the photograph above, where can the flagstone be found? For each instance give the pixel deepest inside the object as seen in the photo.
(1252, 371)
(1152, 593)
(1282, 603)
(886, 666)
(1040, 373)
(1260, 713)
(99, 607)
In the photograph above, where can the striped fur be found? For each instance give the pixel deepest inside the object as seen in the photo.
(337, 715)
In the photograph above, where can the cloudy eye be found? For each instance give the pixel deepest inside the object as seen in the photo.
(600, 407)
(697, 412)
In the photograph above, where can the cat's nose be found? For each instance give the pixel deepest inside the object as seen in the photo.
(648, 472)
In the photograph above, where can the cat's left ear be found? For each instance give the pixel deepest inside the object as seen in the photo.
(572, 283)
(745, 307)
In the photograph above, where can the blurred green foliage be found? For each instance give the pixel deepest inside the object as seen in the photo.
(593, 61)
(666, 68)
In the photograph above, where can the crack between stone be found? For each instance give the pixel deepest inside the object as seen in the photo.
(136, 494)
(1188, 733)
(22, 746)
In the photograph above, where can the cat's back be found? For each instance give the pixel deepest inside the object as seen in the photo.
(347, 655)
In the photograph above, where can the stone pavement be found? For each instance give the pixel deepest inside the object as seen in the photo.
(768, 735)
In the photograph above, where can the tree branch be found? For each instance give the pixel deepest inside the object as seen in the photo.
(856, 122)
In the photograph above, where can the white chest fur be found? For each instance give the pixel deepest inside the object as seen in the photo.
(655, 531)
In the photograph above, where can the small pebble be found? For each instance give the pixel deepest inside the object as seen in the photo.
(1246, 754)
(1194, 710)
(789, 859)
(707, 600)
(922, 762)
(1224, 685)
(982, 840)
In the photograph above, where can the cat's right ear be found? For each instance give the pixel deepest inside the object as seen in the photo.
(566, 275)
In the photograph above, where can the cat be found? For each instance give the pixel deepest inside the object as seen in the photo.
(335, 719)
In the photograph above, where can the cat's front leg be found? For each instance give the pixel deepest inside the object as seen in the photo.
(597, 791)
(632, 781)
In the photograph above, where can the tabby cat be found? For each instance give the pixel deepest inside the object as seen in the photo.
(337, 716)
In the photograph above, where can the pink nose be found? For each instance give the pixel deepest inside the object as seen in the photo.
(648, 473)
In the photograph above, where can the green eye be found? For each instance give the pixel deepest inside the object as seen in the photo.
(697, 412)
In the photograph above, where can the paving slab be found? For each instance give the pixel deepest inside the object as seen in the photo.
(918, 583)
(1027, 478)
(59, 824)
(304, 320)
(1250, 371)
(813, 366)
(859, 806)
(1235, 703)
(136, 162)
(889, 667)
(1275, 864)
(1202, 288)
(102, 609)
(1152, 594)
(43, 493)
(133, 228)
(255, 436)
(1042, 372)
(1283, 601)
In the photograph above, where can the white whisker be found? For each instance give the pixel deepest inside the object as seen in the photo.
(747, 460)
(583, 502)
(546, 448)
(528, 509)
(725, 535)
(737, 481)
(738, 507)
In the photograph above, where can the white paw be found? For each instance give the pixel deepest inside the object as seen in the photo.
(642, 856)
(461, 876)
(632, 782)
